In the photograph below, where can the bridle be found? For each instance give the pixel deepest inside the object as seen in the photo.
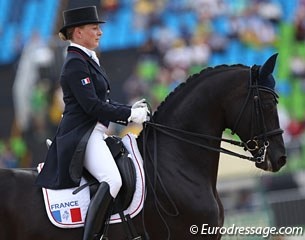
(260, 142)
(257, 145)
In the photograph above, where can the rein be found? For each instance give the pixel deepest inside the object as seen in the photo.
(174, 133)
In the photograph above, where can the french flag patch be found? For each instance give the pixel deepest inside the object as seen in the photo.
(85, 81)
(68, 216)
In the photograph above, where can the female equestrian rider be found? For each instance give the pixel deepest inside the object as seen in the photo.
(79, 140)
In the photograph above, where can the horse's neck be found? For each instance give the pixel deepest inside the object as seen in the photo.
(176, 158)
(198, 113)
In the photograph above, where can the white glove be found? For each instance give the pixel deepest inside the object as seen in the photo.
(138, 115)
(48, 143)
(139, 104)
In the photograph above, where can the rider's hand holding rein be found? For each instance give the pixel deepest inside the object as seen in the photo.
(139, 112)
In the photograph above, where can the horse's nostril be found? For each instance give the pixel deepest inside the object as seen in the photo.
(282, 161)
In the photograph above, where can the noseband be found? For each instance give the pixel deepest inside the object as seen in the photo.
(257, 145)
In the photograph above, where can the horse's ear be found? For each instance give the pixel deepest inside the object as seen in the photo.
(268, 67)
(266, 70)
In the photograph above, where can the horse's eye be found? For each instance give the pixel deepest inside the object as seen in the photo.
(268, 105)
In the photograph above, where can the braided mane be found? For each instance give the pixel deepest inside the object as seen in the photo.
(193, 78)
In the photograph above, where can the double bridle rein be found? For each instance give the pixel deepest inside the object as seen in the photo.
(257, 145)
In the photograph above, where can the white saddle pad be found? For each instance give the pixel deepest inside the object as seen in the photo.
(68, 210)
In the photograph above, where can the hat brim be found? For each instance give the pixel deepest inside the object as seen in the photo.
(76, 24)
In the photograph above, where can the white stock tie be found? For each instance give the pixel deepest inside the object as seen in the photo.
(94, 57)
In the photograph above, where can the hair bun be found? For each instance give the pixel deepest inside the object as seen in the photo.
(62, 36)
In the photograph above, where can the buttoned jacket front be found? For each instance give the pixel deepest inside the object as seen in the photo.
(86, 92)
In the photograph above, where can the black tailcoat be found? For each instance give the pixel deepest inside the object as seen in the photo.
(86, 91)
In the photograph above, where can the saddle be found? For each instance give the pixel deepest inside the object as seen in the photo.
(128, 203)
(127, 171)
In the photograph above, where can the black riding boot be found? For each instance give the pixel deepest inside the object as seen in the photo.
(97, 212)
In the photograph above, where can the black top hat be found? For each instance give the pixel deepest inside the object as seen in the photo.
(79, 16)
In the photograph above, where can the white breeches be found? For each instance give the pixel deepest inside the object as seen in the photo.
(99, 161)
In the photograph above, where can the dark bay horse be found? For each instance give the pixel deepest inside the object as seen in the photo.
(181, 147)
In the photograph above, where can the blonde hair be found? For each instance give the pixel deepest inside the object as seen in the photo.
(68, 34)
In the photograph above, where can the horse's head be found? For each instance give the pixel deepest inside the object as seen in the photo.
(257, 123)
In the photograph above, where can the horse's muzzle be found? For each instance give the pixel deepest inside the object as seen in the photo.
(270, 166)
(280, 163)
